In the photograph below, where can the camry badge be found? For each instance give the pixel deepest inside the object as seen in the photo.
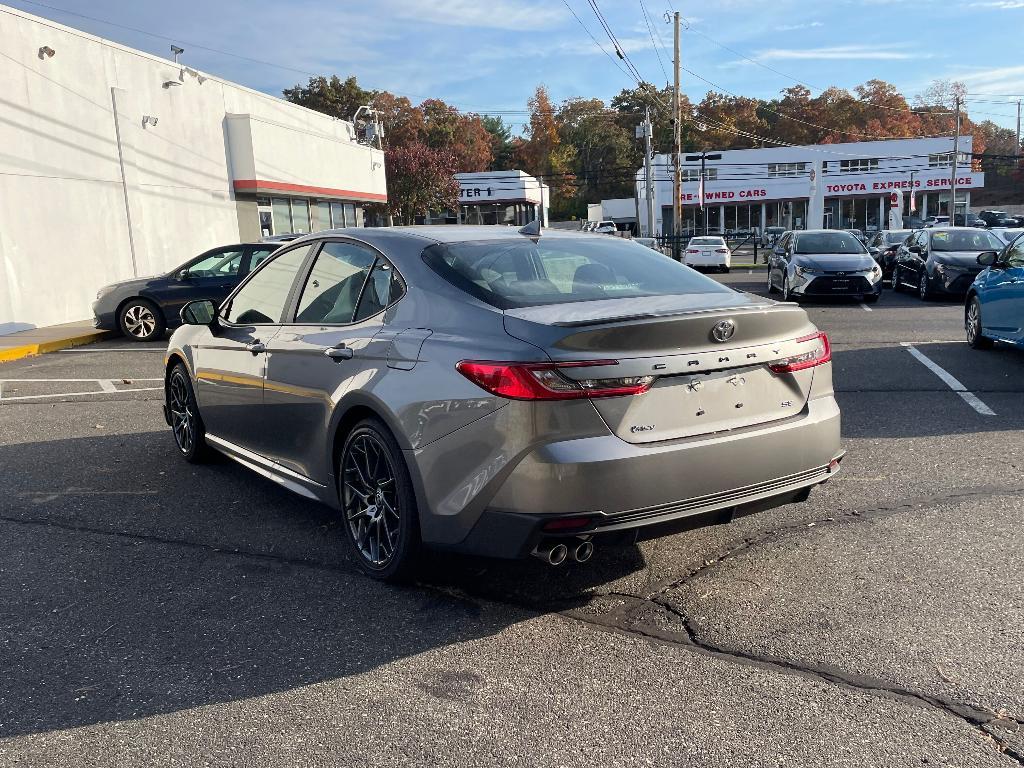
(723, 330)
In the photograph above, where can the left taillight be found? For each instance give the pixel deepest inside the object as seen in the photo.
(819, 353)
(545, 381)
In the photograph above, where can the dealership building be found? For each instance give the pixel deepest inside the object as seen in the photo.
(496, 197)
(115, 163)
(750, 189)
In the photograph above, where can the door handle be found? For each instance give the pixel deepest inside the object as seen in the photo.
(256, 347)
(339, 353)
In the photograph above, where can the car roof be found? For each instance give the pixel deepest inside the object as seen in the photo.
(451, 233)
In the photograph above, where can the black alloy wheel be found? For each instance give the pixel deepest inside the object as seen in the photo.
(186, 425)
(924, 291)
(972, 325)
(897, 286)
(378, 503)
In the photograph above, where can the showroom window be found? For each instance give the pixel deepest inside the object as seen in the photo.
(693, 174)
(780, 170)
(945, 159)
(861, 165)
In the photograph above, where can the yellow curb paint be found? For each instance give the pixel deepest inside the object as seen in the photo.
(8, 354)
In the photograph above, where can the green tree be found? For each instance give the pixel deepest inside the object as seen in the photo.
(332, 96)
(502, 146)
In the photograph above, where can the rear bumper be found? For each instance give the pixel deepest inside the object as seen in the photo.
(622, 486)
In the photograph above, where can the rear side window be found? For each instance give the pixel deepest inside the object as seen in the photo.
(334, 284)
(521, 273)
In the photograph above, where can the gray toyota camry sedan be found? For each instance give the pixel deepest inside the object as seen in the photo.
(503, 392)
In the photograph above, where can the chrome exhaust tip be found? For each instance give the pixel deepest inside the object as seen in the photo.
(551, 553)
(583, 551)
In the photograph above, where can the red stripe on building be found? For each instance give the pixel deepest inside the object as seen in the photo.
(257, 185)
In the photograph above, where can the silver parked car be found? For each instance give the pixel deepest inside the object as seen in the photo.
(503, 392)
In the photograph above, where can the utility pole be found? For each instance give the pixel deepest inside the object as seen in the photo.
(648, 175)
(1016, 149)
(677, 179)
(956, 156)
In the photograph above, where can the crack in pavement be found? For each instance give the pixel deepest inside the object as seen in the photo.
(628, 619)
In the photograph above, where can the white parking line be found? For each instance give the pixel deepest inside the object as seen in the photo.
(865, 307)
(950, 380)
(79, 350)
(106, 387)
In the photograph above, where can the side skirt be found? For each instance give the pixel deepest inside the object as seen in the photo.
(293, 481)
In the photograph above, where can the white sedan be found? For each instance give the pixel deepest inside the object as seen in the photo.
(708, 252)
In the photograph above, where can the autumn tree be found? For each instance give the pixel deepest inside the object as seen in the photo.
(420, 179)
(544, 155)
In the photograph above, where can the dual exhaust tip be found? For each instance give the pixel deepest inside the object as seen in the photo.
(556, 553)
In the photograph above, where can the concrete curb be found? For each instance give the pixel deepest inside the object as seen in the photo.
(9, 354)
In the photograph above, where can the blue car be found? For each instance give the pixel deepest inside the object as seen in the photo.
(995, 301)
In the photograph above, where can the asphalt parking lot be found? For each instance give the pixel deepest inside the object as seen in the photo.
(158, 613)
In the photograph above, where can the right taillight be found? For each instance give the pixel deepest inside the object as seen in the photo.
(544, 381)
(818, 353)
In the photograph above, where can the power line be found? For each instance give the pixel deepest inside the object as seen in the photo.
(615, 42)
(598, 44)
(650, 31)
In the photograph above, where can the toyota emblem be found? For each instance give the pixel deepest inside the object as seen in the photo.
(723, 330)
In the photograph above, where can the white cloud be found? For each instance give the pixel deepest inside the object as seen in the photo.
(794, 27)
(838, 53)
(493, 14)
(1001, 5)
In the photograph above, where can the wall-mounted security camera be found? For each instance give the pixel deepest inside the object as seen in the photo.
(171, 83)
(149, 120)
(46, 52)
(177, 52)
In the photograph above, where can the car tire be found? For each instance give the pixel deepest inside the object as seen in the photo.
(378, 503)
(786, 296)
(973, 325)
(872, 298)
(183, 413)
(725, 270)
(924, 292)
(771, 286)
(897, 286)
(141, 320)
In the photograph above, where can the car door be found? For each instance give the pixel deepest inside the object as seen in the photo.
(909, 261)
(1002, 309)
(326, 350)
(212, 275)
(230, 364)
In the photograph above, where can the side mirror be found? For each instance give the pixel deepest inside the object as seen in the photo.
(199, 312)
(184, 274)
(914, 249)
(988, 258)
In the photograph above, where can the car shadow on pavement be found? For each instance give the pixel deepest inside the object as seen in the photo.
(137, 585)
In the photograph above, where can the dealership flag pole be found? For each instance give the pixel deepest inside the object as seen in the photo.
(677, 185)
(956, 156)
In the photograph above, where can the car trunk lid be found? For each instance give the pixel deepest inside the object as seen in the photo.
(705, 383)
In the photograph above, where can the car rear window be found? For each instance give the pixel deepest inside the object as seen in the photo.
(707, 241)
(515, 273)
(828, 242)
(896, 236)
(965, 240)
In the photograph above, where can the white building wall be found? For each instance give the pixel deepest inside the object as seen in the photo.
(89, 195)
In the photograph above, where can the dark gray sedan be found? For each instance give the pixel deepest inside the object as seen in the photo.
(503, 392)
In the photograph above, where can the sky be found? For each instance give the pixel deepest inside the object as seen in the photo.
(489, 55)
